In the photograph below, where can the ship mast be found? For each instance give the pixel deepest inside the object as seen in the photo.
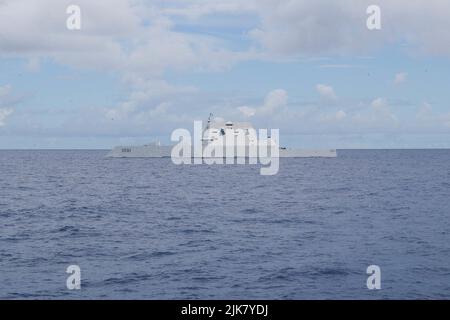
(209, 121)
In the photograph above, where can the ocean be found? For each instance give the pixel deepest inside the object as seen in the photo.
(149, 229)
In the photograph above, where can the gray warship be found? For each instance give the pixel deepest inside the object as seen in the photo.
(212, 134)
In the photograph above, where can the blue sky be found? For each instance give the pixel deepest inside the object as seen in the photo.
(136, 70)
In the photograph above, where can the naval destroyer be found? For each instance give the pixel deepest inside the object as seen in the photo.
(212, 134)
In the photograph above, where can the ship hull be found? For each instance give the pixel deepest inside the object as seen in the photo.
(155, 151)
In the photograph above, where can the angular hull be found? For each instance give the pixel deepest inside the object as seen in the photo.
(155, 151)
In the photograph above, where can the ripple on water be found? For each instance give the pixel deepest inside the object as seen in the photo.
(144, 228)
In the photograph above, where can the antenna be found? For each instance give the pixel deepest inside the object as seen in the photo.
(209, 120)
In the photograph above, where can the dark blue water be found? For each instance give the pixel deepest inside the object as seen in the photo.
(145, 228)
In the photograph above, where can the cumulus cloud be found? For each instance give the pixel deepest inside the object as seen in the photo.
(273, 102)
(122, 35)
(341, 115)
(33, 64)
(326, 92)
(304, 27)
(194, 9)
(425, 112)
(382, 109)
(247, 111)
(5, 92)
(376, 116)
(4, 113)
(134, 39)
(135, 36)
(400, 78)
(141, 41)
(428, 118)
(331, 119)
(324, 27)
(145, 98)
(354, 117)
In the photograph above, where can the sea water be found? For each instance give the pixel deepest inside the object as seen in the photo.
(148, 229)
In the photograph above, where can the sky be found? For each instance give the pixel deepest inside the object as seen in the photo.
(137, 70)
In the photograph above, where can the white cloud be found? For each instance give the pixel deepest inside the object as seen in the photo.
(5, 90)
(326, 92)
(355, 117)
(332, 119)
(274, 101)
(303, 27)
(383, 110)
(5, 100)
(196, 9)
(247, 111)
(137, 36)
(378, 116)
(339, 66)
(340, 115)
(33, 64)
(134, 39)
(149, 99)
(425, 112)
(400, 78)
(4, 113)
(379, 104)
(140, 41)
(121, 35)
(426, 117)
